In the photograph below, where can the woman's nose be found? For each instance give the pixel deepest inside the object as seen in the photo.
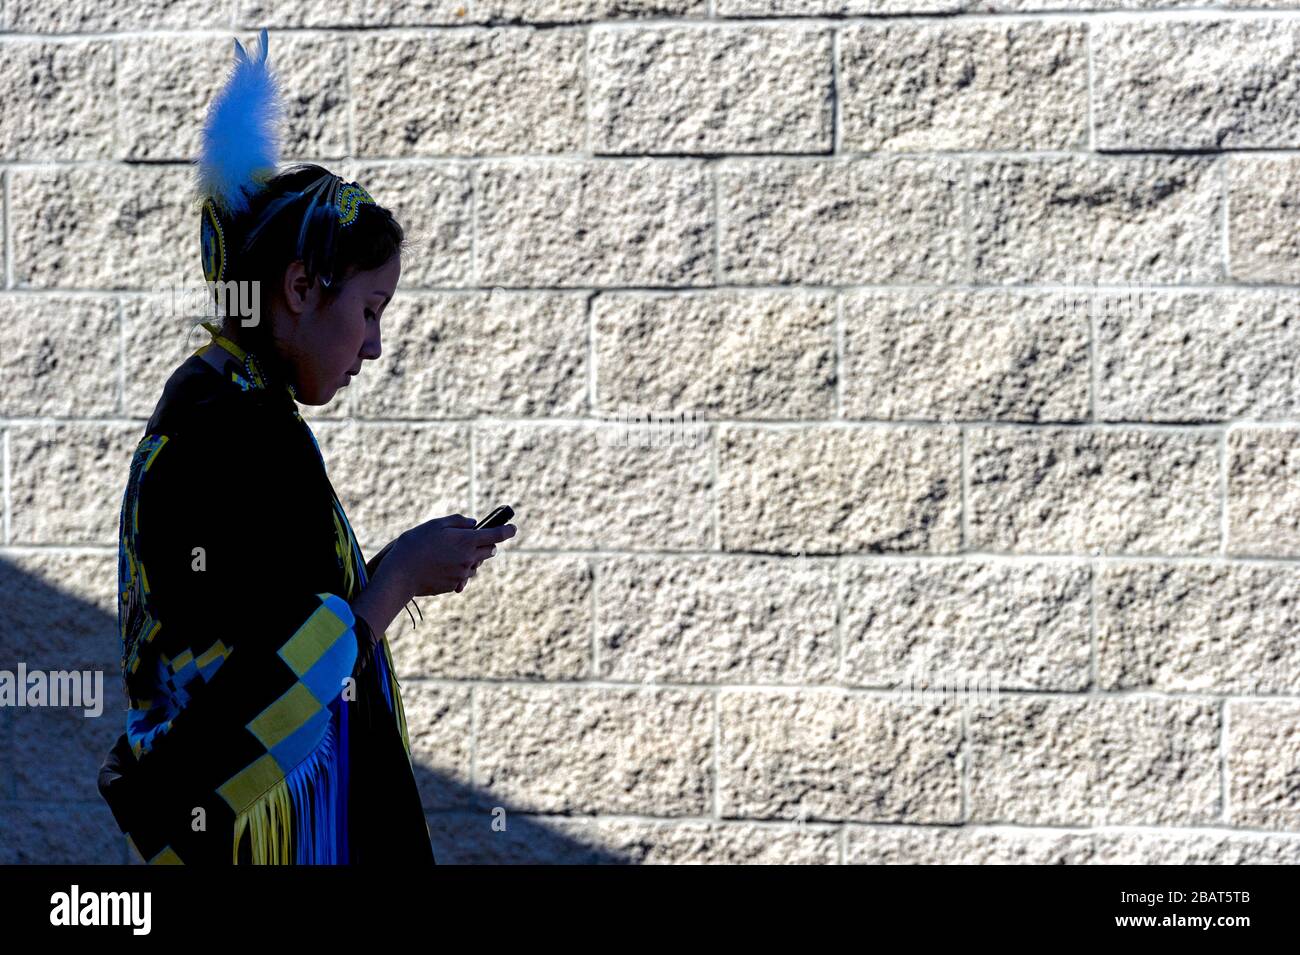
(371, 348)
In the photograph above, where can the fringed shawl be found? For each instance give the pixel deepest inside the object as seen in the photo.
(242, 659)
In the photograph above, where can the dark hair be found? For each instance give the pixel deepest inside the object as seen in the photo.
(367, 243)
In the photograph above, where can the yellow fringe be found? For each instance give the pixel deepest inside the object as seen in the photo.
(269, 823)
(343, 548)
(398, 709)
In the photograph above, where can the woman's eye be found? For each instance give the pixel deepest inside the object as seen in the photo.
(370, 313)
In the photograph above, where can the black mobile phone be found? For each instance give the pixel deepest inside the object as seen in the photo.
(498, 517)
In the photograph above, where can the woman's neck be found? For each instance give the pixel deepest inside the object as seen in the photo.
(260, 347)
(231, 329)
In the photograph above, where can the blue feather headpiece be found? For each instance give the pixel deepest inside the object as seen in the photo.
(241, 136)
(239, 154)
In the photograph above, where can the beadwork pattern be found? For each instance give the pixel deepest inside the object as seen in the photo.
(351, 196)
(213, 243)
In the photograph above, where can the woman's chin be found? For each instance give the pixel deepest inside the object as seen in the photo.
(317, 397)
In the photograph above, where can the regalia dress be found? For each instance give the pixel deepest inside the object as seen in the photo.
(265, 723)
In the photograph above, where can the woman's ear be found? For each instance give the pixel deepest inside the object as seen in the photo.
(299, 291)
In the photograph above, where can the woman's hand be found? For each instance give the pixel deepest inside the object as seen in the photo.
(472, 571)
(435, 557)
(439, 556)
(372, 565)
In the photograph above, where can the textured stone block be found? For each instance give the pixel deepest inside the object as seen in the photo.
(684, 89)
(433, 203)
(459, 355)
(1198, 628)
(1196, 356)
(839, 490)
(173, 79)
(60, 100)
(967, 845)
(390, 478)
(972, 845)
(944, 626)
(4, 490)
(1058, 490)
(1263, 751)
(60, 612)
(1051, 6)
(1263, 496)
(831, 8)
(59, 355)
(703, 620)
(396, 13)
(111, 16)
(58, 749)
(1005, 85)
(468, 838)
(160, 331)
(1096, 219)
(836, 8)
(589, 223)
(1196, 84)
(462, 93)
(1194, 848)
(867, 220)
(102, 227)
(579, 487)
(521, 617)
(439, 724)
(573, 749)
(66, 481)
(965, 355)
(493, 834)
(731, 354)
(704, 843)
(1262, 205)
(1090, 761)
(6, 749)
(827, 755)
(60, 834)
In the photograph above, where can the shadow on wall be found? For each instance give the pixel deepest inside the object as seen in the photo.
(50, 809)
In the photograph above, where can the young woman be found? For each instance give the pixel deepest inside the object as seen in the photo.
(265, 722)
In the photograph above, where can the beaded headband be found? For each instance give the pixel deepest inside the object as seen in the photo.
(239, 155)
(331, 204)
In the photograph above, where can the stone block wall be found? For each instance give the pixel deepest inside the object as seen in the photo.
(898, 399)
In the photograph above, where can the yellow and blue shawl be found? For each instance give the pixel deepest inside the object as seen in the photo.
(254, 691)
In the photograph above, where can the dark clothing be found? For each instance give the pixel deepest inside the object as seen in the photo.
(256, 695)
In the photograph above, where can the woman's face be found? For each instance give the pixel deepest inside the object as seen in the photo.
(328, 340)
